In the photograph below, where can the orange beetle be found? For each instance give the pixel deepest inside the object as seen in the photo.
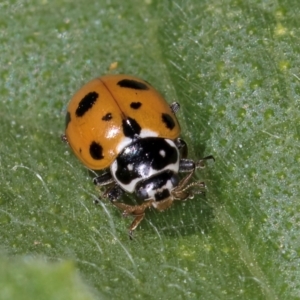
(122, 125)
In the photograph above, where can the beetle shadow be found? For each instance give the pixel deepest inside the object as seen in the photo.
(190, 217)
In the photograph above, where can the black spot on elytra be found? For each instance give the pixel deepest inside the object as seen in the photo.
(86, 103)
(96, 151)
(68, 119)
(131, 128)
(132, 84)
(135, 105)
(168, 120)
(107, 117)
(80, 150)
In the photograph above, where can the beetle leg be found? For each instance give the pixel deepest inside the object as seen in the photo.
(137, 211)
(103, 179)
(175, 106)
(114, 193)
(64, 138)
(164, 204)
(182, 191)
(182, 146)
(188, 165)
(201, 162)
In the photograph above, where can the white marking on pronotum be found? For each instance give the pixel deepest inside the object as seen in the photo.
(124, 142)
(168, 186)
(130, 187)
(171, 143)
(162, 153)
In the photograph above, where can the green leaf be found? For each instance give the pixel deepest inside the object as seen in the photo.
(234, 68)
(34, 279)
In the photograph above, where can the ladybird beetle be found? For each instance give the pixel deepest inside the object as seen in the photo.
(122, 125)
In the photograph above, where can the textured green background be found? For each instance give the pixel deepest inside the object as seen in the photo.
(234, 67)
